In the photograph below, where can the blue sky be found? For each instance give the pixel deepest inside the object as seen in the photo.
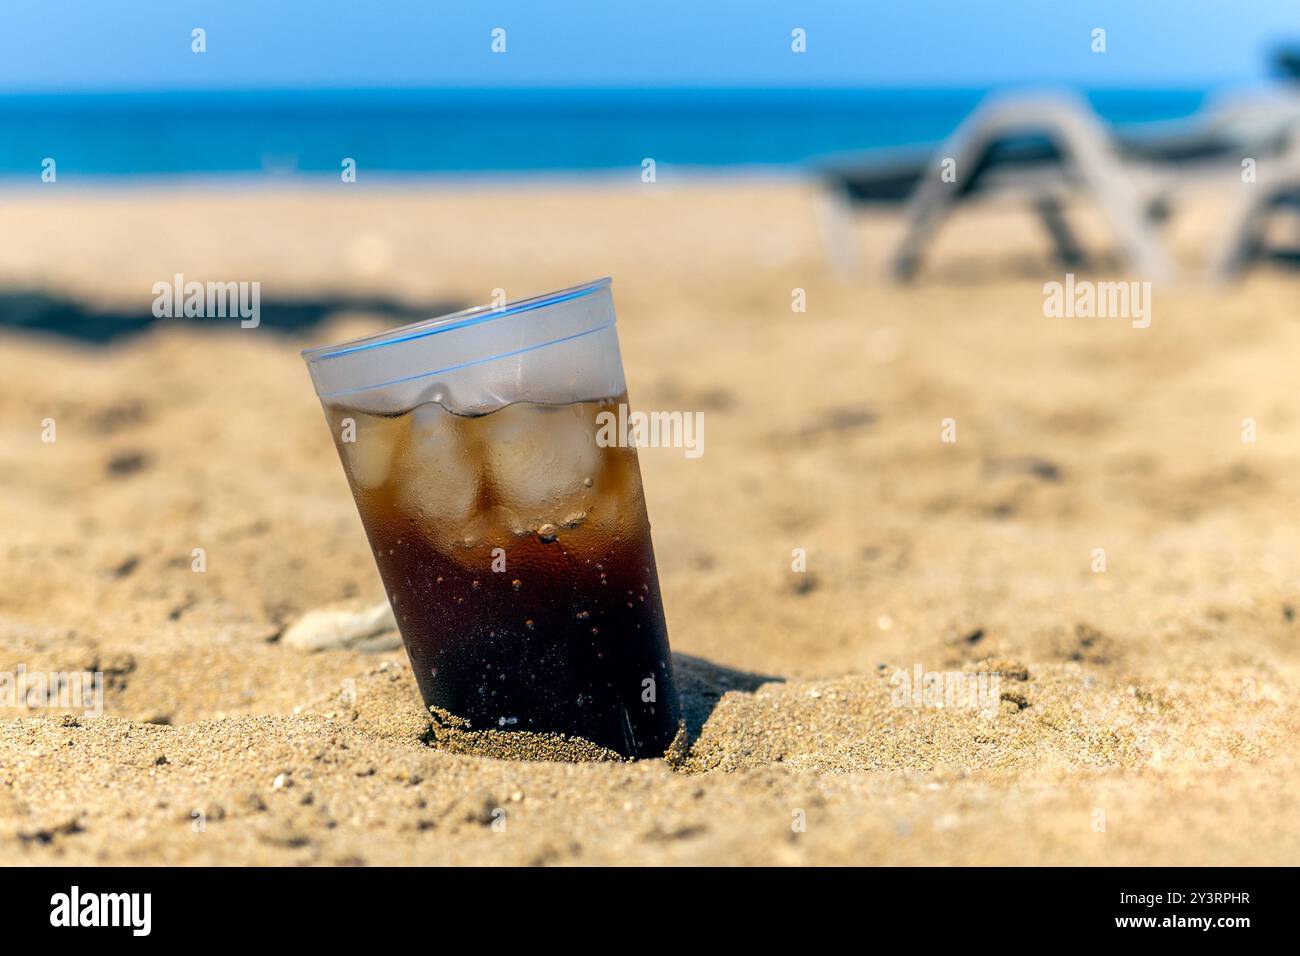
(56, 45)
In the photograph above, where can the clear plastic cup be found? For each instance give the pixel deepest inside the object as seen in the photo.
(514, 547)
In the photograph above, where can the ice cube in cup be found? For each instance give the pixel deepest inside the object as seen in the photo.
(616, 497)
(539, 459)
(439, 475)
(373, 445)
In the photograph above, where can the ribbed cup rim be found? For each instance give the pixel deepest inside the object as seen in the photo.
(475, 315)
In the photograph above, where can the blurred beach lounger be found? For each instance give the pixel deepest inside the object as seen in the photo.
(1046, 149)
(1275, 188)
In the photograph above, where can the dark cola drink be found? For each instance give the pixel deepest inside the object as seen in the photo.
(516, 552)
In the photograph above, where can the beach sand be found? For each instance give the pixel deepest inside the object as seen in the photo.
(1145, 713)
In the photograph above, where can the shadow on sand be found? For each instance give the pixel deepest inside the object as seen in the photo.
(27, 310)
(702, 683)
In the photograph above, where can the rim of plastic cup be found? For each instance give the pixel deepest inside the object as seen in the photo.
(475, 315)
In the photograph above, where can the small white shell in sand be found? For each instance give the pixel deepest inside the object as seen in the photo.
(327, 629)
